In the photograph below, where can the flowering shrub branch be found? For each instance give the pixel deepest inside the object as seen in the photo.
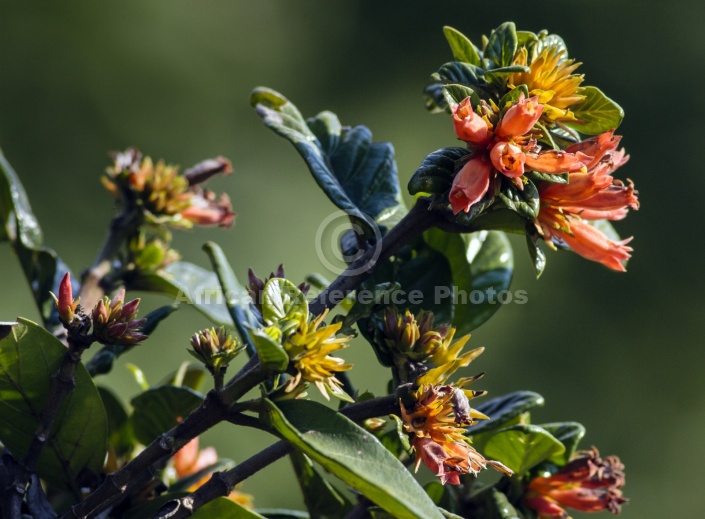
(538, 155)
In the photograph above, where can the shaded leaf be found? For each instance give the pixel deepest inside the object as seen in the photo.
(538, 257)
(500, 507)
(186, 283)
(569, 434)
(463, 74)
(281, 513)
(159, 409)
(437, 170)
(37, 501)
(522, 447)
(596, 114)
(120, 436)
(359, 176)
(502, 45)
(222, 507)
(482, 265)
(504, 408)
(525, 202)
(29, 356)
(353, 455)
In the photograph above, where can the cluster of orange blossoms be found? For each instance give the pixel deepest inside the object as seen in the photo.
(509, 147)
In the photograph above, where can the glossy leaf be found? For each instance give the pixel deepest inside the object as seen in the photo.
(359, 176)
(522, 447)
(436, 172)
(525, 202)
(482, 265)
(29, 356)
(504, 408)
(455, 94)
(500, 506)
(282, 300)
(463, 74)
(18, 225)
(502, 45)
(538, 257)
(224, 508)
(596, 114)
(271, 354)
(462, 48)
(187, 283)
(321, 498)
(353, 455)
(159, 409)
(569, 434)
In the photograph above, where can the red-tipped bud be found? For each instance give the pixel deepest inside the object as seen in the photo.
(65, 303)
(115, 323)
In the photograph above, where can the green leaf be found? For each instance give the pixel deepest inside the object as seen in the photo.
(359, 176)
(504, 408)
(322, 500)
(281, 513)
(463, 74)
(526, 38)
(606, 228)
(462, 48)
(190, 375)
(537, 176)
(596, 114)
(499, 219)
(502, 45)
(186, 283)
(272, 355)
(437, 170)
(538, 258)
(159, 409)
(282, 300)
(569, 434)
(482, 265)
(29, 356)
(224, 508)
(18, 225)
(500, 506)
(353, 455)
(522, 447)
(455, 94)
(525, 202)
(119, 433)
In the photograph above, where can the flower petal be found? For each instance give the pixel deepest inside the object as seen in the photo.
(470, 184)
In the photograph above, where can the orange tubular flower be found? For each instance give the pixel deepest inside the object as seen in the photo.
(509, 149)
(588, 483)
(595, 195)
(437, 438)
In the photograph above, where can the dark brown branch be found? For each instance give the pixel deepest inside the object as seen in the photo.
(418, 220)
(222, 483)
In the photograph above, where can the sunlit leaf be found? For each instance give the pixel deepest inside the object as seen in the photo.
(569, 434)
(596, 114)
(504, 408)
(522, 447)
(462, 48)
(353, 455)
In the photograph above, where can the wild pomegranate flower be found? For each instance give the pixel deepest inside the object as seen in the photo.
(65, 303)
(166, 195)
(507, 146)
(309, 349)
(435, 421)
(114, 323)
(595, 195)
(587, 483)
(551, 79)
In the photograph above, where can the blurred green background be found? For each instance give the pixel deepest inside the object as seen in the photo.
(618, 352)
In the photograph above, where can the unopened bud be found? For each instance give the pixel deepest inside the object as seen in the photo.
(65, 303)
(115, 323)
(214, 348)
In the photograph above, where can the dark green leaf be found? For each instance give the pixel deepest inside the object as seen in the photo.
(455, 94)
(569, 434)
(462, 73)
(435, 100)
(186, 283)
(499, 219)
(443, 496)
(29, 356)
(359, 176)
(482, 265)
(511, 97)
(18, 225)
(322, 500)
(436, 172)
(596, 114)
(500, 507)
(525, 202)
(538, 258)
(522, 447)
(159, 409)
(353, 455)
(502, 409)
(502, 45)
(462, 48)
(281, 513)
(119, 433)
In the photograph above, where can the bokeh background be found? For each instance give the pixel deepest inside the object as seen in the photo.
(622, 353)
